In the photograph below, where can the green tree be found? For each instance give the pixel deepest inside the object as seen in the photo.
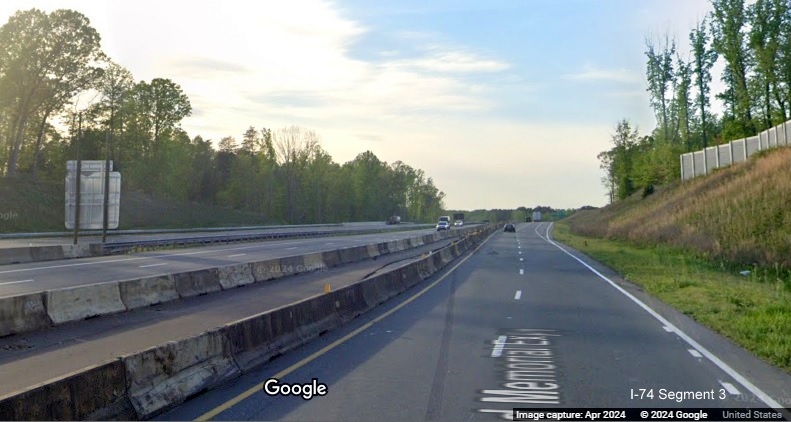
(289, 144)
(250, 141)
(619, 160)
(729, 19)
(682, 104)
(45, 59)
(159, 107)
(660, 76)
(704, 58)
(766, 22)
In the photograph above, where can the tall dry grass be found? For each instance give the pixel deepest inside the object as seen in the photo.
(740, 214)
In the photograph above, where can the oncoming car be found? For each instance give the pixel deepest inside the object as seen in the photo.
(510, 228)
(458, 223)
(443, 225)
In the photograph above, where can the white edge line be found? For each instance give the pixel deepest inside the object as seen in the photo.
(717, 361)
(235, 255)
(695, 353)
(499, 344)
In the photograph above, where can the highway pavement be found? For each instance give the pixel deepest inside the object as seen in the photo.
(33, 358)
(39, 276)
(11, 240)
(521, 323)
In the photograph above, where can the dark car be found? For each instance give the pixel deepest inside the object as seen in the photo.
(510, 228)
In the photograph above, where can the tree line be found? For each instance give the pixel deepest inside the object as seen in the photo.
(754, 43)
(49, 61)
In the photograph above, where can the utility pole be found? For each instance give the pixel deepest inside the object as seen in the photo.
(78, 182)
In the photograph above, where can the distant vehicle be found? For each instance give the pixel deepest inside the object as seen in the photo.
(445, 218)
(458, 223)
(528, 219)
(510, 228)
(443, 225)
(458, 216)
(536, 215)
(394, 220)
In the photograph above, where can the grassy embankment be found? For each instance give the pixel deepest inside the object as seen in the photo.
(688, 243)
(39, 207)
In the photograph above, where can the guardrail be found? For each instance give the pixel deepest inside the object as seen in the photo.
(158, 231)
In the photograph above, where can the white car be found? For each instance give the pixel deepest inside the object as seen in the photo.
(443, 225)
(458, 223)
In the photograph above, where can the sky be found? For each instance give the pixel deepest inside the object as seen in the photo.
(502, 103)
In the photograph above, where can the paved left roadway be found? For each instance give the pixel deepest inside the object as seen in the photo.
(39, 276)
(7, 241)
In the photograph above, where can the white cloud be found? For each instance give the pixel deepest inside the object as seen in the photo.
(594, 73)
(453, 62)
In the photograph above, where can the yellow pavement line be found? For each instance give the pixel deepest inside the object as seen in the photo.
(260, 386)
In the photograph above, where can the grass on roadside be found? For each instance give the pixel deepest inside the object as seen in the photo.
(754, 314)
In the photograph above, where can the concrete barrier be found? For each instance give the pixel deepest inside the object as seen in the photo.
(166, 375)
(377, 290)
(15, 256)
(196, 283)
(392, 246)
(266, 270)
(251, 341)
(436, 260)
(147, 291)
(446, 255)
(94, 393)
(372, 291)
(235, 275)
(349, 302)
(23, 313)
(81, 250)
(353, 254)
(425, 267)
(382, 246)
(315, 316)
(373, 250)
(46, 253)
(76, 303)
(410, 275)
(291, 265)
(314, 262)
(285, 330)
(331, 258)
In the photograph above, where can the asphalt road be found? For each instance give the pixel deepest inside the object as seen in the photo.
(9, 241)
(520, 323)
(33, 358)
(38, 276)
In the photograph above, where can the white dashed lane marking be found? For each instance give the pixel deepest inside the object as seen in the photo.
(730, 388)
